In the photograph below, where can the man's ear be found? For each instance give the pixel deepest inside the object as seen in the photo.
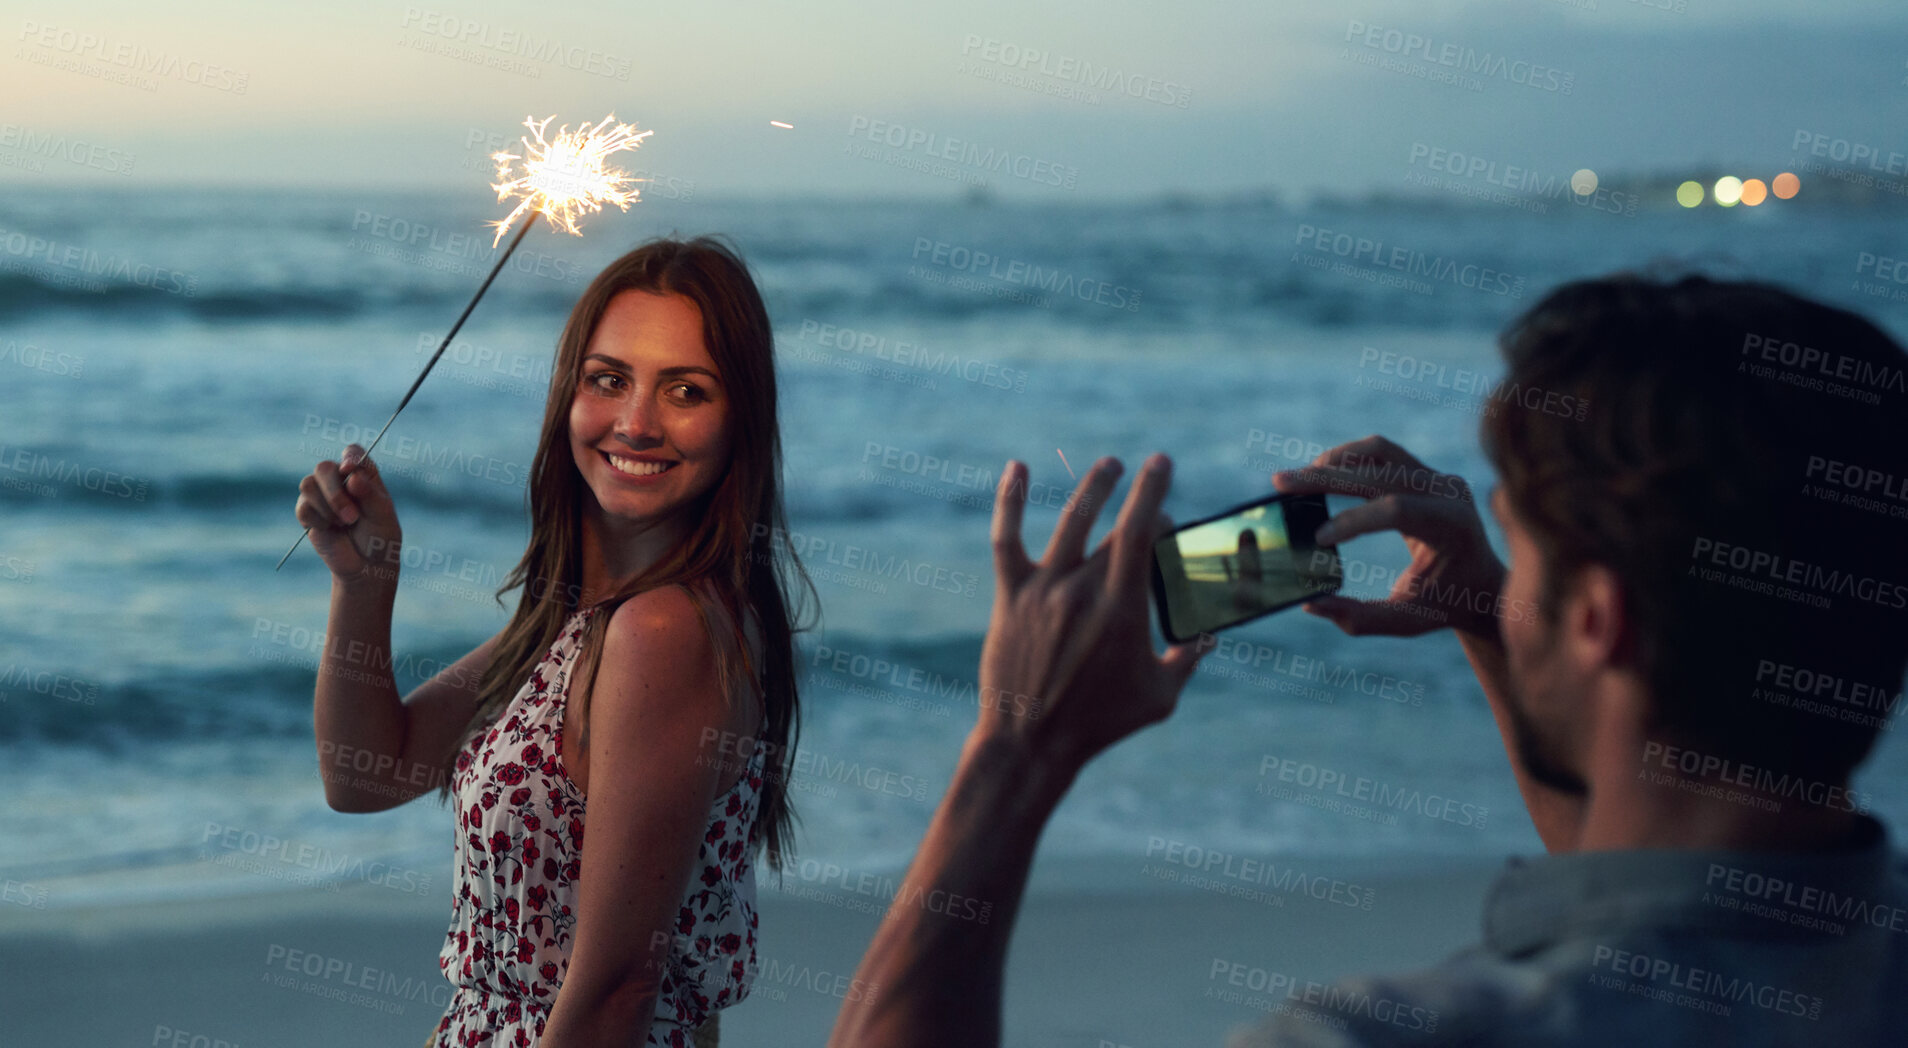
(1594, 619)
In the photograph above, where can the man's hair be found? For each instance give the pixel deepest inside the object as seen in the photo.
(1697, 438)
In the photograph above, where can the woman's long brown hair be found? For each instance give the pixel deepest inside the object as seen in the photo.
(733, 555)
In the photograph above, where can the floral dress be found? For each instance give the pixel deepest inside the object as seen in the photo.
(519, 853)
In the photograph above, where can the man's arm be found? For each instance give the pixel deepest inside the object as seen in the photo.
(1453, 572)
(1067, 670)
(934, 972)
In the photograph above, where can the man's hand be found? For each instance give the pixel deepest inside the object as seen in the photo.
(1067, 670)
(1454, 580)
(1068, 667)
(1452, 572)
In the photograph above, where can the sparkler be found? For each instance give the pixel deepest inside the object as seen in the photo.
(562, 178)
(565, 175)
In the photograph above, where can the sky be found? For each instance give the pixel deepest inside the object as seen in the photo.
(1049, 101)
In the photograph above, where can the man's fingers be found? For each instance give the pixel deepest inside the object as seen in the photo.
(1348, 614)
(1324, 480)
(1366, 468)
(1360, 483)
(1385, 513)
(1133, 533)
(1010, 503)
(1068, 544)
(1360, 618)
(1375, 449)
(1181, 660)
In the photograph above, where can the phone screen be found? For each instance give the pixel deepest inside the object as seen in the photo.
(1249, 561)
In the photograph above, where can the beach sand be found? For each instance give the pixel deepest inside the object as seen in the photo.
(1095, 968)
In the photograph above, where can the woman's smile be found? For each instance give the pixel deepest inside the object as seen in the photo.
(638, 468)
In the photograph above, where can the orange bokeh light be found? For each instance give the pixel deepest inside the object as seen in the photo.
(1786, 185)
(1754, 192)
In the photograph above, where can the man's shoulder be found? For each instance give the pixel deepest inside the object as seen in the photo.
(1460, 1000)
(1477, 997)
(1650, 987)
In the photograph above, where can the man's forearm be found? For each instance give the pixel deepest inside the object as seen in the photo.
(933, 973)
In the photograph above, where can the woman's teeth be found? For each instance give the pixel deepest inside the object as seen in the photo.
(636, 468)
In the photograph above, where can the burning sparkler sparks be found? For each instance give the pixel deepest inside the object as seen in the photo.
(565, 175)
(562, 178)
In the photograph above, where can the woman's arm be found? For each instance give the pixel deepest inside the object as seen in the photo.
(375, 751)
(655, 707)
(355, 705)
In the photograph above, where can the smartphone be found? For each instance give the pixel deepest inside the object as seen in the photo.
(1233, 567)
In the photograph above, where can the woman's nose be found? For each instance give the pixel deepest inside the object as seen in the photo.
(639, 419)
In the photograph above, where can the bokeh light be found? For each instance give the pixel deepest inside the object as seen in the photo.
(1786, 185)
(1728, 190)
(1754, 192)
(1584, 182)
(1690, 194)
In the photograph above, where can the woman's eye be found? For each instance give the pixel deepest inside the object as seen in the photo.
(688, 391)
(605, 382)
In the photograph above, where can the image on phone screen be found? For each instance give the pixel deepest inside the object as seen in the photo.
(1249, 561)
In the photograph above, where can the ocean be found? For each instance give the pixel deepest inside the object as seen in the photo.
(172, 362)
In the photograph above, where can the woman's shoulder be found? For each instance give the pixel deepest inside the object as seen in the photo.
(672, 614)
(661, 608)
(654, 643)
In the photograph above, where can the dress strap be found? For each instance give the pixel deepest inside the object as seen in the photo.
(573, 645)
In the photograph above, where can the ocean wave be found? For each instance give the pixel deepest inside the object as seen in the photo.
(263, 688)
(23, 294)
(67, 485)
(69, 707)
(50, 292)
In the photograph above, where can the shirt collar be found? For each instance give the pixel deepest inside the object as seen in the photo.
(1538, 902)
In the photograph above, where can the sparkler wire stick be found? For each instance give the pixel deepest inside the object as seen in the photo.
(441, 346)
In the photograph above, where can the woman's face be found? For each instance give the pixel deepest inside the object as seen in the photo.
(649, 425)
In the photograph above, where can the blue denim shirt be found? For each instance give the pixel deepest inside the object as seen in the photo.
(1646, 948)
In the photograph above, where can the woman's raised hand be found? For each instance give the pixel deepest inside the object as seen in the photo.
(354, 526)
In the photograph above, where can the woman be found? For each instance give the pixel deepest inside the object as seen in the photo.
(657, 470)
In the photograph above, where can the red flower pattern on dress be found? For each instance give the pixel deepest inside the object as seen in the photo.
(519, 854)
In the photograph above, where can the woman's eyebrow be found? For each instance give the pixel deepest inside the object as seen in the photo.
(685, 369)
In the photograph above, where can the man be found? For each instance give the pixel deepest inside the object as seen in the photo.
(1701, 631)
